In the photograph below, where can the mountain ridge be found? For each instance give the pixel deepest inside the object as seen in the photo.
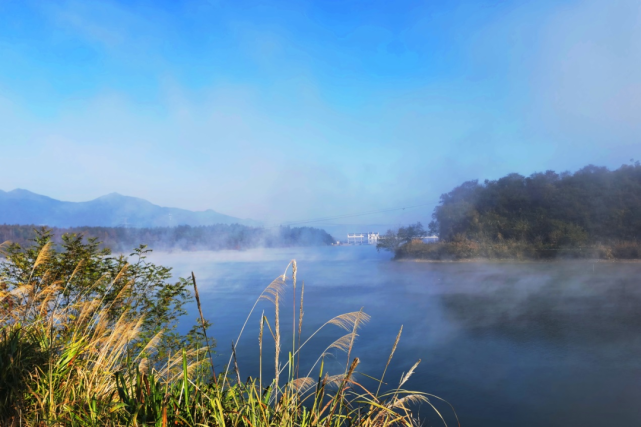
(20, 206)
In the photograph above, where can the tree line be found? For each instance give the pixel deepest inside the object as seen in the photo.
(183, 237)
(594, 212)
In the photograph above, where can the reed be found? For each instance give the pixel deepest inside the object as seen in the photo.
(74, 365)
(300, 323)
(276, 345)
(202, 323)
(260, 351)
(389, 359)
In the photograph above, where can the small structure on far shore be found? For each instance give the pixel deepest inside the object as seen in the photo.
(362, 238)
(374, 238)
(355, 238)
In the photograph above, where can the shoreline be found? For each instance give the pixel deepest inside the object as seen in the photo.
(517, 261)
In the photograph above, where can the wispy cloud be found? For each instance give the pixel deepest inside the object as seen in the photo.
(106, 23)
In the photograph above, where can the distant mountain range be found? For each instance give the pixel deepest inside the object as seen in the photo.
(113, 210)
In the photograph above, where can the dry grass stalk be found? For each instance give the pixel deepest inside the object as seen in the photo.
(353, 336)
(389, 359)
(294, 268)
(260, 352)
(409, 373)
(277, 345)
(276, 287)
(341, 344)
(173, 369)
(43, 256)
(345, 321)
(202, 323)
(341, 390)
(302, 385)
(348, 320)
(233, 352)
(300, 324)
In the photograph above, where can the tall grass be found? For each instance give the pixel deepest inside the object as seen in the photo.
(71, 366)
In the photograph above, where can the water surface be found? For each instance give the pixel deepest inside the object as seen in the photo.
(507, 344)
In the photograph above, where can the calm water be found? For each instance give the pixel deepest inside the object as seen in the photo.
(554, 344)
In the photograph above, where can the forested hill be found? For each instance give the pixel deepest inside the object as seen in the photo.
(592, 205)
(592, 213)
(211, 237)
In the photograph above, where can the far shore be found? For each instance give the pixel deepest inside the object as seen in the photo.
(519, 261)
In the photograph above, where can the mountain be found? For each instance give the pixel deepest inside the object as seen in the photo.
(24, 207)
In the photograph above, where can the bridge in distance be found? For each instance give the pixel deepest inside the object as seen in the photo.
(373, 238)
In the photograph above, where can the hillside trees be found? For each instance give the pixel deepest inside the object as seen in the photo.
(593, 205)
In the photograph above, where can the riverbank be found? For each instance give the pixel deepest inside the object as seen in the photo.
(519, 261)
(116, 355)
(470, 250)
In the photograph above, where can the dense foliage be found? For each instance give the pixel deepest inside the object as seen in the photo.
(594, 212)
(126, 287)
(593, 205)
(184, 237)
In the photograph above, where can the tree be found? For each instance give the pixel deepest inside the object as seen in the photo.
(411, 232)
(391, 241)
(388, 242)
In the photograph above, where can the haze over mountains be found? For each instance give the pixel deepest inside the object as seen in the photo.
(112, 210)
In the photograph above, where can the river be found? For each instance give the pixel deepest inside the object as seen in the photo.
(507, 344)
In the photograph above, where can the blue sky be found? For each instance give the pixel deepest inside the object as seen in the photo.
(287, 110)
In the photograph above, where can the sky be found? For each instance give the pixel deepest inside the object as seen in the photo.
(294, 110)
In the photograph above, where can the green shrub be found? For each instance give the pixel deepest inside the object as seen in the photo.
(82, 272)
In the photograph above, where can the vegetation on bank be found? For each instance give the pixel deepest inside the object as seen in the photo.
(182, 237)
(87, 339)
(593, 213)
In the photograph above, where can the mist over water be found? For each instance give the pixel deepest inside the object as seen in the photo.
(507, 344)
